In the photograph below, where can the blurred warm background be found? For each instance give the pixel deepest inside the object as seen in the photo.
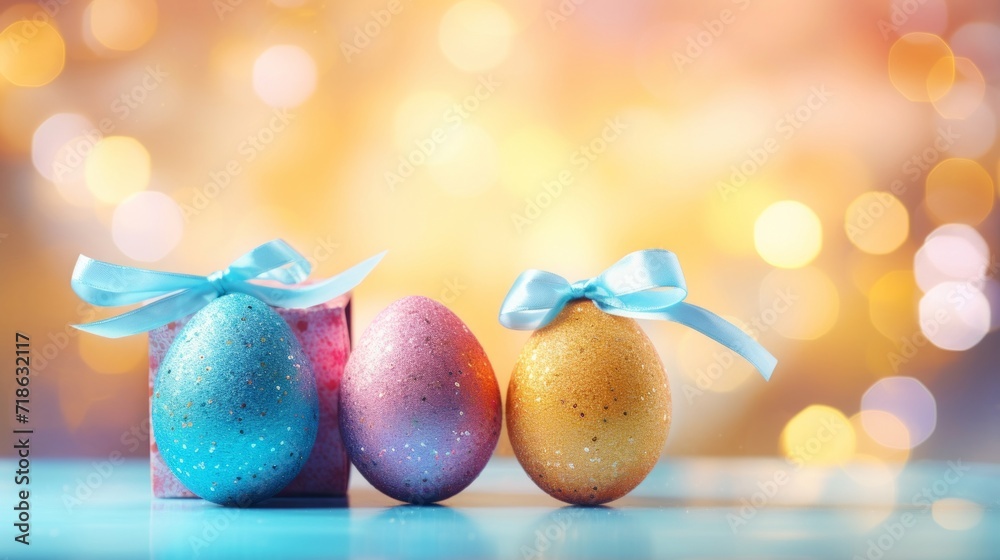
(826, 172)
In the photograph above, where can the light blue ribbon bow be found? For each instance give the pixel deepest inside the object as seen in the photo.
(107, 284)
(644, 285)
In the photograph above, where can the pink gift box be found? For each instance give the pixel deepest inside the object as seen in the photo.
(324, 331)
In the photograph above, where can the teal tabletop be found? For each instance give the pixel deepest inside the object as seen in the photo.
(692, 508)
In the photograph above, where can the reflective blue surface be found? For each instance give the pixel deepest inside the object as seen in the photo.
(698, 508)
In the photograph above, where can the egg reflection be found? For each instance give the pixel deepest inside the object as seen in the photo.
(586, 532)
(448, 532)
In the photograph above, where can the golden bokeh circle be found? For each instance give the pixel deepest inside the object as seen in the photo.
(123, 25)
(966, 95)
(877, 222)
(892, 304)
(117, 167)
(959, 191)
(788, 234)
(818, 435)
(921, 66)
(32, 53)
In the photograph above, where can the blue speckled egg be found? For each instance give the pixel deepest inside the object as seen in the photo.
(234, 406)
(419, 403)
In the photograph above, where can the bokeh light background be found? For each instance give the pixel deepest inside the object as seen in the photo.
(826, 172)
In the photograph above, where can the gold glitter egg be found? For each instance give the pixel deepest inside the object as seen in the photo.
(588, 406)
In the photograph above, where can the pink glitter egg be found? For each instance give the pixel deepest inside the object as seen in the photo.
(420, 406)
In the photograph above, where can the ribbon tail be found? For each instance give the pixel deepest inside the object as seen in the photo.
(725, 333)
(315, 294)
(151, 316)
(714, 327)
(106, 284)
